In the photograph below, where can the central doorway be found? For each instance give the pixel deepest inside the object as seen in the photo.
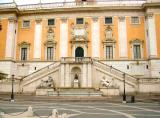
(79, 52)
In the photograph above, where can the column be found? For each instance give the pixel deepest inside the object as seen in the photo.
(37, 39)
(151, 32)
(122, 35)
(62, 81)
(63, 37)
(67, 77)
(84, 77)
(11, 37)
(89, 75)
(95, 37)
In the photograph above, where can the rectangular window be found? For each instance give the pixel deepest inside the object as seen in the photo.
(137, 51)
(109, 52)
(135, 20)
(108, 20)
(26, 24)
(79, 21)
(51, 22)
(23, 53)
(49, 53)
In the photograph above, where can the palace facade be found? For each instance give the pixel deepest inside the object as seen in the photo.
(82, 44)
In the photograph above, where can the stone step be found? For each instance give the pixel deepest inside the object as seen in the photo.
(73, 94)
(69, 92)
(78, 90)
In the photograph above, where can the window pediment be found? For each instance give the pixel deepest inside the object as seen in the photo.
(136, 41)
(24, 44)
(51, 43)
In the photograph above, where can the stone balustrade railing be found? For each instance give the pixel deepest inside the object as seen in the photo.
(75, 59)
(73, 4)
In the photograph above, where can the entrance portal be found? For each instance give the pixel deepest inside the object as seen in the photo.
(79, 52)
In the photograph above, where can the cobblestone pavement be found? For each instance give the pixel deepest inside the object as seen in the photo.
(87, 109)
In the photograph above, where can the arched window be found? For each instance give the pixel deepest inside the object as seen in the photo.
(79, 52)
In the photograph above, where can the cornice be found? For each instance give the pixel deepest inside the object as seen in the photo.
(9, 10)
(18, 11)
(71, 9)
(157, 4)
(83, 9)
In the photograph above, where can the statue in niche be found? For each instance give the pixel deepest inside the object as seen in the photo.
(76, 81)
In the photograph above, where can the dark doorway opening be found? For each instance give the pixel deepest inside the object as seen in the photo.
(79, 52)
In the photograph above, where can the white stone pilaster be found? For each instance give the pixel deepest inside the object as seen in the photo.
(64, 37)
(67, 78)
(15, 43)
(62, 81)
(37, 39)
(89, 75)
(95, 37)
(84, 78)
(152, 42)
(122, 35)
(11, 37)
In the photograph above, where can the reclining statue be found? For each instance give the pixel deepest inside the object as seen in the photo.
(48, 83)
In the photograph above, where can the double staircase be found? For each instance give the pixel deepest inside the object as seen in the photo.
(31, 81)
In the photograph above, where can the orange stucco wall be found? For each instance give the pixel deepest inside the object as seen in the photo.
(135, 31)
(25, 35)
(114, 28)
(3, 37)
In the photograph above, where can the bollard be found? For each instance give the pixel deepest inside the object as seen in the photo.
(30, 112)
(64, 115)
(54, 113)
(1, 115)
